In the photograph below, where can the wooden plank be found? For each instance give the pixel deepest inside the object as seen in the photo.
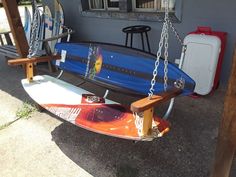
(8, 53)
(9, 48)
(226, 144)
(22, 61)
(147, 103)
(16, 26)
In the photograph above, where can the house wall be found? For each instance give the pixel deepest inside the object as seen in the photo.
(218, 14)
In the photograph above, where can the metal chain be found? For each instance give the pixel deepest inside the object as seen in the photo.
(164, 36)
(36, 43)
(166, 54)
(34, 38)
(33, 33)
(175, 32)
(90, 54)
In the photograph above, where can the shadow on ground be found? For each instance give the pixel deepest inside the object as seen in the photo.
(187, 150)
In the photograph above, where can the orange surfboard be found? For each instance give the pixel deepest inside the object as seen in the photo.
(85, 109)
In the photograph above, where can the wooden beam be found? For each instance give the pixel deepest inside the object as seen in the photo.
(16, 26)
(226, 144)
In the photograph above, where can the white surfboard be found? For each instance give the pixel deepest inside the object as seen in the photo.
(27, 24)
(62, 20)
(85, 109)
(57, 23)
(48, 23)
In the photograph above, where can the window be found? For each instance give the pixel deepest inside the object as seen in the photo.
(104, 4)
(113, 4)
(151, 5)
(146, 10)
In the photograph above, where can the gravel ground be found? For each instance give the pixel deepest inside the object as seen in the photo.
(46, 146)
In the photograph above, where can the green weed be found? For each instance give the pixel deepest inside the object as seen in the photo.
(25, 111)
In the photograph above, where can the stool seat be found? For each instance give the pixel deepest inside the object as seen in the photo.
(137, 29)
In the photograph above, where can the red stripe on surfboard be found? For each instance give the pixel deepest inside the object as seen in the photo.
(113, 120)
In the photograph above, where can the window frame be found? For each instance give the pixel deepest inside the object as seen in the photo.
(89, 3)
(135, 9)
(126, 12)
(112, 8)
(105, 4)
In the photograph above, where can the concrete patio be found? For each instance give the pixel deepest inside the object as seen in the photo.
(43, 145)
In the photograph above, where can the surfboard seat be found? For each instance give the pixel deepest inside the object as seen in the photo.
(87, 110)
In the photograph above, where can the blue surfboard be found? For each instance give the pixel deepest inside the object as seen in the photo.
(119, 66)
(27, 24)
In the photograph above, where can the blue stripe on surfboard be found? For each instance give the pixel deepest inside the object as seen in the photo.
(131, 62)
(137, 84)
(47, 26)
(139, 63)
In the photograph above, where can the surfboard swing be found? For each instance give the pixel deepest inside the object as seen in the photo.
(139, 125)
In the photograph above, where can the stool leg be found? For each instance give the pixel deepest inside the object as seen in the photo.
(142, 41)
(126, 39)
(149, 50)
(1, 41)
(131, 41)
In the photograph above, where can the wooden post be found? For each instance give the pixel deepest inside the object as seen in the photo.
(16, 26)
(147, 122)
(226, 144)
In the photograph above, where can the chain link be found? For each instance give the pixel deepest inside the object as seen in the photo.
(175, 32)
(90, 54)
(34, 38)
(166, 54)
(164, 38)
(180, 83)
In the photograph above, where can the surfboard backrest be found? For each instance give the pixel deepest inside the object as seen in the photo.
(122, 67)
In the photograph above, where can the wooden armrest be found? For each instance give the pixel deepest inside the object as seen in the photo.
(21, 61)
(147, 103)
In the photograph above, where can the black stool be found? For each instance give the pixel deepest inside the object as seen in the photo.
(137, 29)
